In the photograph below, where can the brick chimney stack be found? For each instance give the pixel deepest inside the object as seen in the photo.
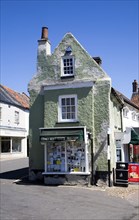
(44, 33)
(44, 45)
(135, 93)
(135, 86)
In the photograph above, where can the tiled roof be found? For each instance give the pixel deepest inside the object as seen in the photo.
(20, 99)
(125, 99)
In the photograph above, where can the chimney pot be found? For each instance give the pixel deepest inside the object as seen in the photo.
(44, 33)
(98, 60)
(135, 86)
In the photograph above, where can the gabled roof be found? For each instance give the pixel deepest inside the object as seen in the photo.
(10, 96)
(115, 93)
(124, 98)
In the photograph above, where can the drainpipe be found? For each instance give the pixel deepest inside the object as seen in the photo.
(108, 157)
(121, 118)
(92, 160)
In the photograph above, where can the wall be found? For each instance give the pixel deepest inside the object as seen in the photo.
(36, 120)
(8, 116)
(128, 121)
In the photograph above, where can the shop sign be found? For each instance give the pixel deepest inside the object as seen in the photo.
(53, 138)
(59, 138)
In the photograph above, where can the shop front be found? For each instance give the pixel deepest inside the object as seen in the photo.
(134, 157)
(127, 151)
(66, 155)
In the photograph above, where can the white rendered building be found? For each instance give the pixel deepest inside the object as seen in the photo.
(14, 123)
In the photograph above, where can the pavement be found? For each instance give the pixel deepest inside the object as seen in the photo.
(23, 200)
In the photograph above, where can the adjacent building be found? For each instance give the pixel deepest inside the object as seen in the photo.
(14, 123)
(129, 134)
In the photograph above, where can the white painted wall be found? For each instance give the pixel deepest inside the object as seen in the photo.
(8, 127)
(128, 121)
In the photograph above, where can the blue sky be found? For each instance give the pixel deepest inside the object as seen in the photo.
(105, 28)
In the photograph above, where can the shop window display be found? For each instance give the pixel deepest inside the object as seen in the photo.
(5, 145)
(16, 145)
(66, 156)
(134, 153)
(10, 144)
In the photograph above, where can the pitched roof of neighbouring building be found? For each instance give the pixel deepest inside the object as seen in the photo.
(10, 96)
(124, 98)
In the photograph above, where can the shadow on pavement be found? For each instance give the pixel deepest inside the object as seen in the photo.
(15, 174)
(21, 176)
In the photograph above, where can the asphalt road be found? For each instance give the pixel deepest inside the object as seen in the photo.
(27, 201)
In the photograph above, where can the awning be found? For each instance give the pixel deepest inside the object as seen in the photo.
(59, 134)
(134, 137)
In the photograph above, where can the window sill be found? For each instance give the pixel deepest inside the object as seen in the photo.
(76, 123)
(67, 77)
(67, 122)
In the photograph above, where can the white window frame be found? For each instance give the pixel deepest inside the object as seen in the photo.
(62, 65)
(133, 116)
(16, 115)
(60, 108)
(125, 112)
(119, 149)
(11, 144)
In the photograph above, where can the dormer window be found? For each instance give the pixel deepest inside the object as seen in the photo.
(67, 64)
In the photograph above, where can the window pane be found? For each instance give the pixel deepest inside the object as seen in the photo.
(63, 101)
(5, 145)
(72, 101)
(68, 101)
(73, 109)
(73, 115)
(56, 157)
(68, 109)
(68, 116)
(75, 157)
(118, 153)
(63, 109)
(16, 145)
(63, 115)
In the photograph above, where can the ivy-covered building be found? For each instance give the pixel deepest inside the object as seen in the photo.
(70, 115)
